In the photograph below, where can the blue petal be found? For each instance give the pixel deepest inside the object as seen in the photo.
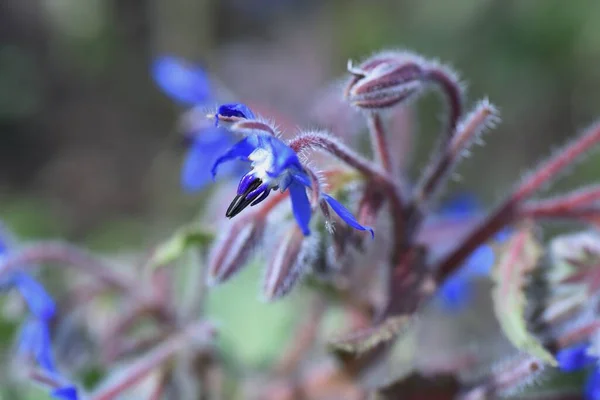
(574, 358)
(455, 293)
(346, 215)
(239, 151)
(480, 262)
(182, 81)
(300, 206)
(206, 147)
(234, 110)
(336, 206)
(504, 234)
(461, 205)
(592, 385)
(65, 393)
(35, 342)
(284, 158)
(38, 300)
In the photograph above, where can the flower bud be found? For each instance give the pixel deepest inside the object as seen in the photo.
(385, 80)
(292, 258)
(234, 249)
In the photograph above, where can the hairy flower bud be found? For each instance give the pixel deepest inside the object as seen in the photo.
(292, 258)
(385, 80)
(235, 248)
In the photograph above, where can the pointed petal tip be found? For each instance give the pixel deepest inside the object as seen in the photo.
(371, 231)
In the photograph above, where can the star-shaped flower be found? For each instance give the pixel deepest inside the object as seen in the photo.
(274, 166)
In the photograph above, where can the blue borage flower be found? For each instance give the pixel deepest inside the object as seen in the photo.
(35, 339)
(577, 358)
(189, 85)
(274, 166)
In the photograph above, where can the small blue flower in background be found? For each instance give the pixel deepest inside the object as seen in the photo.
(184, 82)
(577, 358)
(189, 85)
(65, 393)
(456, 292)
(274, 166)
(34, 341)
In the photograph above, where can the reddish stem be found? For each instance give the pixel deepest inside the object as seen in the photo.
(154, 359)
(577, 201)
(508, 210)
(563, 158)
(434, 177)
(370, 171)
(450, 86)
(584, 214)
(379, 142)
(64, 255)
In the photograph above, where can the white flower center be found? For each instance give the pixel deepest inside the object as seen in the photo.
(263, 168)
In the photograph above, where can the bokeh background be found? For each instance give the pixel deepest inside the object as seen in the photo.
(89, 151)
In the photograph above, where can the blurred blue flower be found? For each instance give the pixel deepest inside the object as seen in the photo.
(65, 393)
(274, 166)
(39, 302)
(592, 385)
(188, 84)
(34, 340)
(576, 358)
(202, 154)
(457, 291)
(184, 82)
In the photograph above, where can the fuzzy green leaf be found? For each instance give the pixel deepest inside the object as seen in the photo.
(518, 260)
(185, 238)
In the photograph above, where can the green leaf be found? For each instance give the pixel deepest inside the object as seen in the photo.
(393, 342)
(182, 240)
(359, 342)
(518, 260)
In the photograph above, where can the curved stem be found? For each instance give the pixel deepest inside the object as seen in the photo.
(379, 142)
(448, 82)
(65, 255)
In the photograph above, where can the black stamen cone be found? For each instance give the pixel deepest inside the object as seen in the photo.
(242, 201)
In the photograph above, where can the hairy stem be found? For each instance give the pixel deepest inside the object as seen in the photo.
(449, 85)
(508, 210)
(436, 175)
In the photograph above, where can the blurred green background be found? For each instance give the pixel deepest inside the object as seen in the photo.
(88, 146)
